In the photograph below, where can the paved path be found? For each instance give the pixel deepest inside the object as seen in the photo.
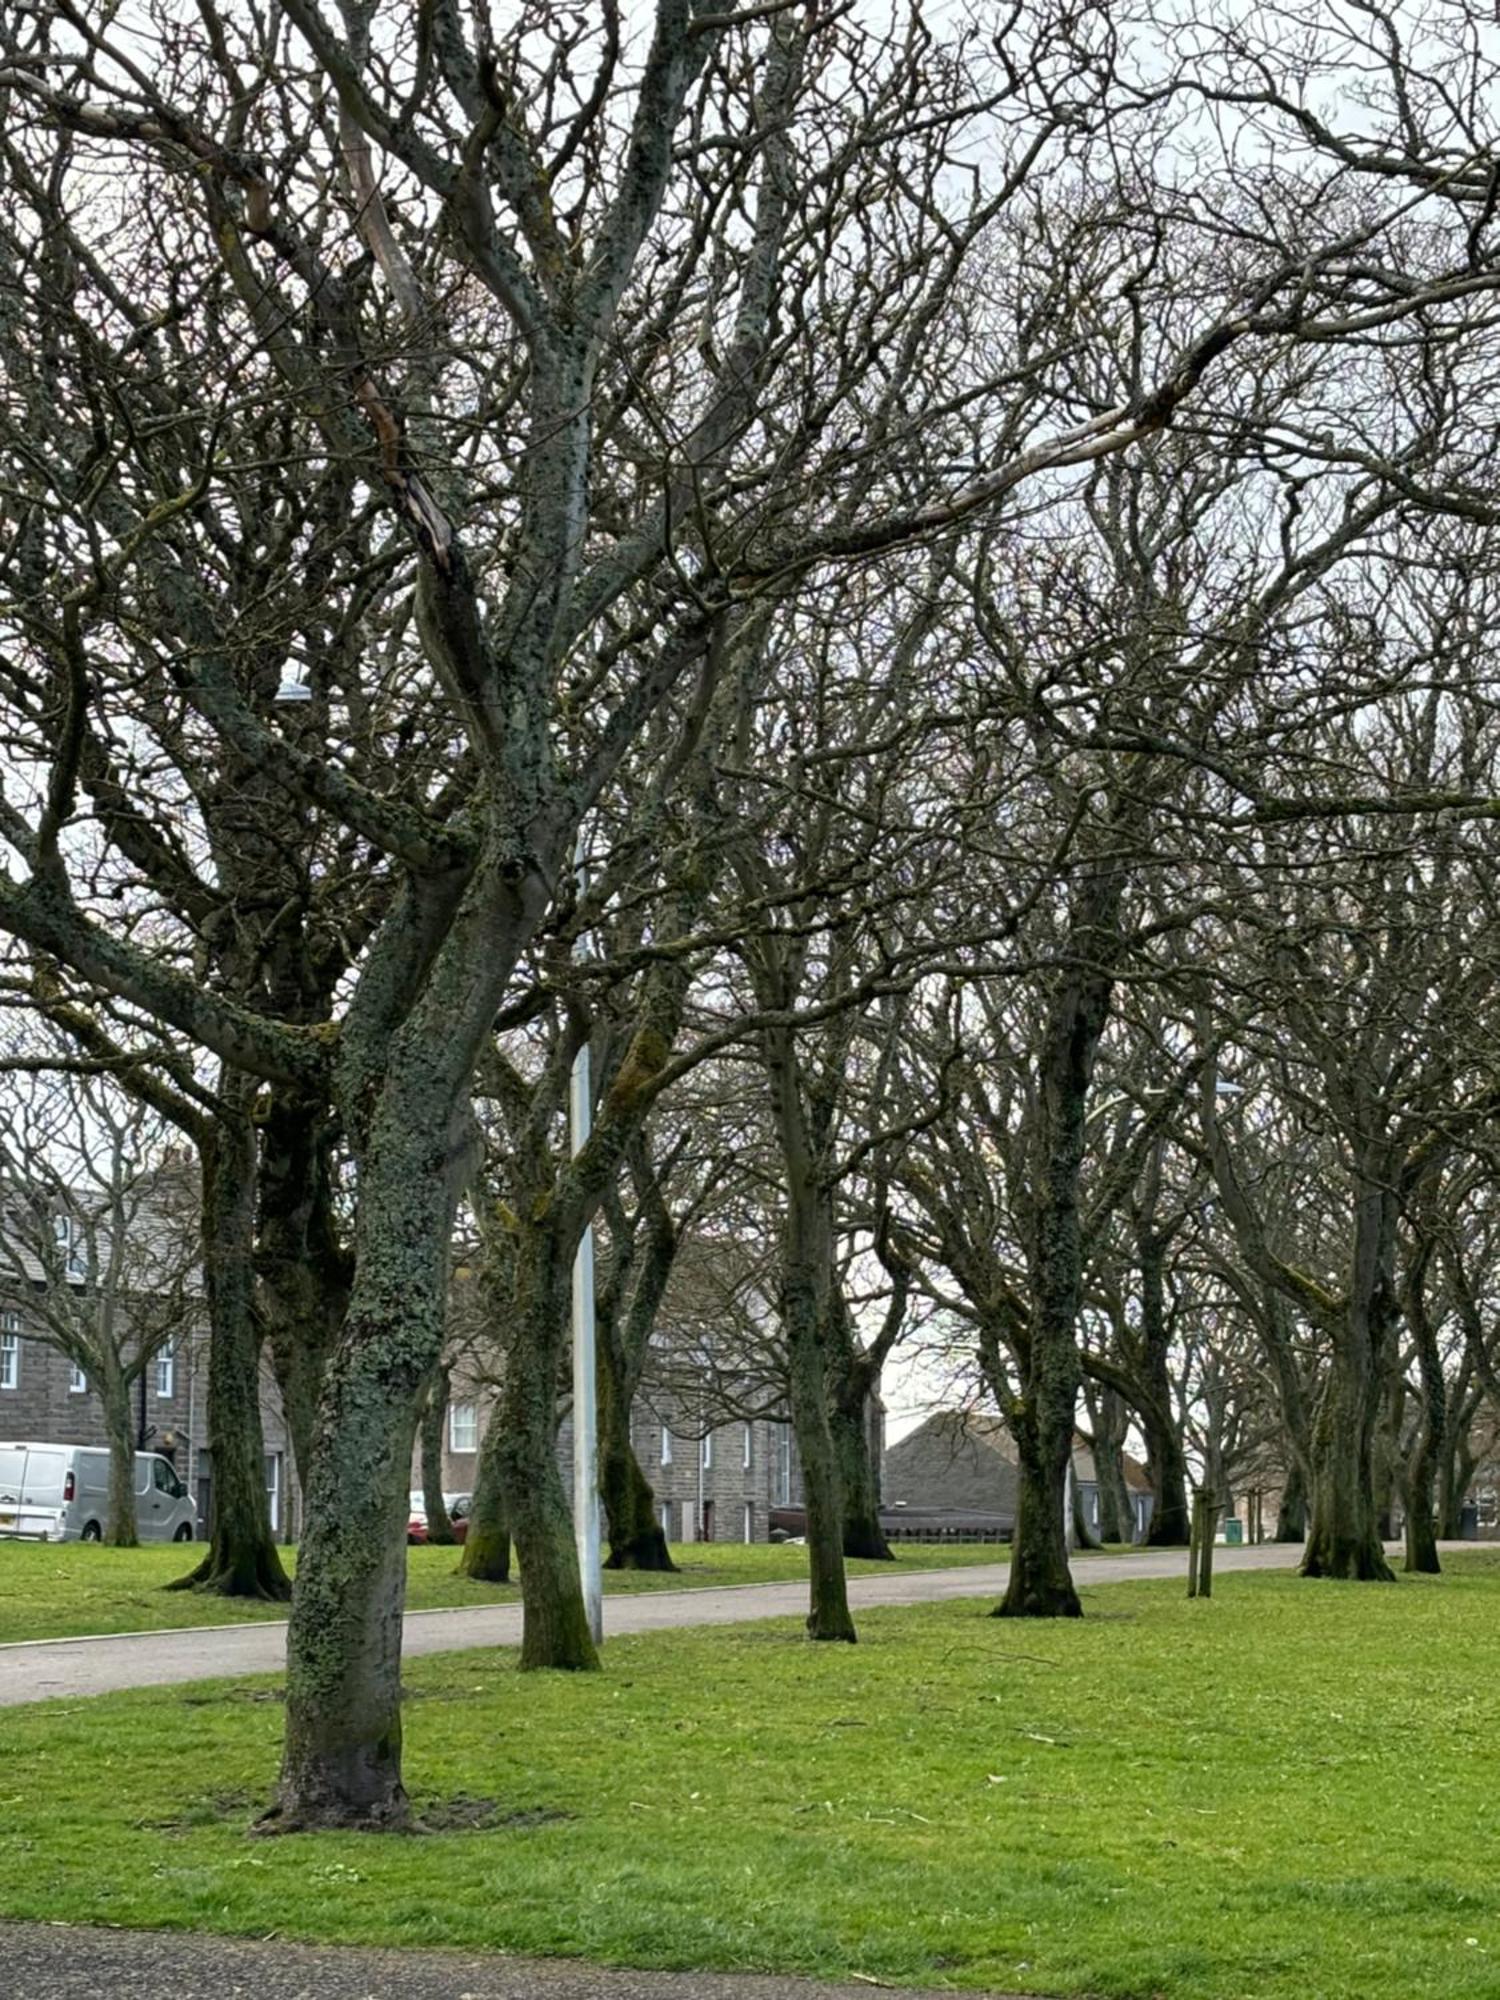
(68, 1962)
(44, 1669)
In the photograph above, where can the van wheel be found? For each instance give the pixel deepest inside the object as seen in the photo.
(184, 1533)
(92, 1532)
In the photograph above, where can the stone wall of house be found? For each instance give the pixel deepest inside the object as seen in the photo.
(719, 1486)
(41, 1399)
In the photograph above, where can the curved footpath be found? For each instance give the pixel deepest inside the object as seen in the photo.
(51, 1669)
(67, 1962)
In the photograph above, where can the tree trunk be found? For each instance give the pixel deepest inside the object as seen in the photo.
(486, 1550)
(1170, 1526)
(828, 1615)
(636, 1540)
(1040, 1584)
(341, 1765)
(555, 1627)
(434, 1416)
(849, 1417)
(301, 1263)
(1343, 1539)
(1291, 1511)
(1109, 1419)
(242, 1559)
(119, 1526)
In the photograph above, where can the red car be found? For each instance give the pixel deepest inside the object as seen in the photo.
(458, 1513)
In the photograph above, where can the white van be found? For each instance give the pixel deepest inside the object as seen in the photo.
(60, 1493)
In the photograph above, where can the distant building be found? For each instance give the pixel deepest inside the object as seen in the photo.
(43, 1396)
(964, 1462)
(714, 1484)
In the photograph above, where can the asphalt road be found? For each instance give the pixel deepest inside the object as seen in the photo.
(51, 1669)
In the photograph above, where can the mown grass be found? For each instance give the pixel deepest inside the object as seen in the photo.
(63, 1590)
(1286, 1791)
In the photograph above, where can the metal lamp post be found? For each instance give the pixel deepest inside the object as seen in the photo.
(585, 1393)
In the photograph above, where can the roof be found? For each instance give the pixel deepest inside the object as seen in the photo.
(981, 1428)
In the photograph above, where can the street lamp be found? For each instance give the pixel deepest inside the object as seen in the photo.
(585, 1395)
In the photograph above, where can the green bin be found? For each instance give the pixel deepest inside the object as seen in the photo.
(1234, 1532)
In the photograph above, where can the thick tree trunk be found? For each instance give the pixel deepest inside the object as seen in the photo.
(434, 1417)
(242, 1559)
(1041, 1584)
(636, 1540)
(1110, 1420)
(1291, 1511)
(341, 1765)
(300, 1261)
(828, 1614)
(849, 1416)
(119, 1526)
(486, 1550)
(555, 1627)
(1170, 1526)
(1343, 1539)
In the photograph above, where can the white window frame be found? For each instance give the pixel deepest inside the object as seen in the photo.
(78, 1382)
(10, 1350)
(166, 1373)
(666, 1520)
(749, 1520)
(469, 1429)
(749, 1434)
(666, 1446)
(781, 1467)
(706, 1452)
(75, 1259)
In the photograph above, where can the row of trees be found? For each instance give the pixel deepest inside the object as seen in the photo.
(979, 532)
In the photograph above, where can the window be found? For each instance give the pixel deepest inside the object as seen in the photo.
(10, 1350)
(75, 1261)
(273, 1490)
(165, 1480)
(781, 1491)
(749, 1434)
(749, 1519)
(666, 1520)
(463, 1427)
(666, 1446)
(78, 1382)
(708, 1451)
(166, 1372)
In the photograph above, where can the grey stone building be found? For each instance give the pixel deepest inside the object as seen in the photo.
(713, 1482)
(43, 1396)
(965, 1462)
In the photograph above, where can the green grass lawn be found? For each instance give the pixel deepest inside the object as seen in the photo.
(1286, 1791)
(62, 1590)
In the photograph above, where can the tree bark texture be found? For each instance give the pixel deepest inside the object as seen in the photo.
(1343, 1540)
(486, 1549)
(119, 1526)
(851, 1416)
(1166, 1463)
(242, 1559)
(434, 1417)
(636, 1539)
(555, 1628)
